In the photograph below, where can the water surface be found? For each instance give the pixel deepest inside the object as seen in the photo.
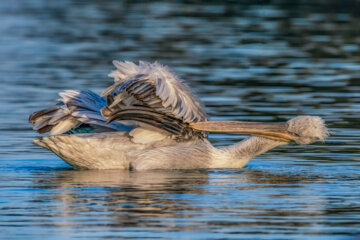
(268, 62)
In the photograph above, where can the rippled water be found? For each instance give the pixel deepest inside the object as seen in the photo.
(265, 62)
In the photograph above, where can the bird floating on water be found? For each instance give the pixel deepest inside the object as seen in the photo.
(149, 119)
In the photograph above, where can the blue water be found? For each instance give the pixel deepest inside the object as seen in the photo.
(248, 61)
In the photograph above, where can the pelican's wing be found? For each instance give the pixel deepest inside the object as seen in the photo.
(75, 110)
(155, 86)
(143, 91)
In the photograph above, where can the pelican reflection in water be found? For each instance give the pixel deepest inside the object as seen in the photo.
(149, 119)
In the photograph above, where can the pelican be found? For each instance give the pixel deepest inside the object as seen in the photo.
(149, 119)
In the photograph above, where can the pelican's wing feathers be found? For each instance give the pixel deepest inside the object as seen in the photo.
(155, 86)
(74, 109)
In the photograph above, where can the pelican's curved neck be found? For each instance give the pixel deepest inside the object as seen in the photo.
(239, 154)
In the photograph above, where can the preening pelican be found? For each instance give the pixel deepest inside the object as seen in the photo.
(149, 119)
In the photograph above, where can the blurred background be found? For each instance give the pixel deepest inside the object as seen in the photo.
(247, 60)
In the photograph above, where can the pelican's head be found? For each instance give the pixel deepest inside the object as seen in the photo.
(307, 129)
(302, 129)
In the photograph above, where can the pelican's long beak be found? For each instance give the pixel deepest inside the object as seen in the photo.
(275, 131)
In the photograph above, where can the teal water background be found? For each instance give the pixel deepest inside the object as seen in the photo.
(254, 60)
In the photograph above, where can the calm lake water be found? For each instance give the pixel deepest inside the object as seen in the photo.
(266, 62)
